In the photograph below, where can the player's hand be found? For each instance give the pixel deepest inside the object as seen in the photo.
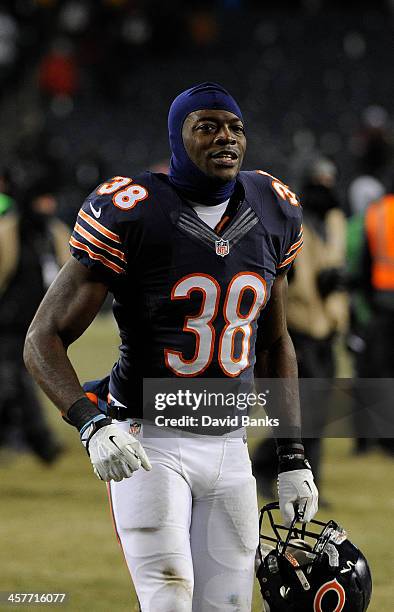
(116, 454)
(297, 492)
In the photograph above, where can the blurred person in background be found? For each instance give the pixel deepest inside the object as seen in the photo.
(362, 192)
(58, 74)
(317, 308)
(378, 284)
(33, 247)
(374, 145)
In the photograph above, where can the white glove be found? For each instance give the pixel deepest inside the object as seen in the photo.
(116, 454)
(297, 491)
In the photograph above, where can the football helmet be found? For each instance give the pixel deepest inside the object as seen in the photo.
(310, 568)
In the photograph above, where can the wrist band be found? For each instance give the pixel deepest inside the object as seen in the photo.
(291, 455)
(290, 449)
(81, 412)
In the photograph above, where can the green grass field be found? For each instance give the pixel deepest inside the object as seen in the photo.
(56, 533)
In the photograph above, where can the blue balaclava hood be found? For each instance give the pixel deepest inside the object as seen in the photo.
(186, 177)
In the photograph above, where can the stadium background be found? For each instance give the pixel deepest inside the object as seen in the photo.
(85, 88)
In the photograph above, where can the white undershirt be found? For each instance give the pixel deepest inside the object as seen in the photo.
(211, 215)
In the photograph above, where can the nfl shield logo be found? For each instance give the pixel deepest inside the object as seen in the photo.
(222, 247)
(135, 428)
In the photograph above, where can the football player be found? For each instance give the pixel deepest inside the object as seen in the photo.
(196, 262)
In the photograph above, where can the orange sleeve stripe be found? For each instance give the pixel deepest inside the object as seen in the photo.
(290, 259)
(90, 238)
(294, 246)
(97, 226)
(97, 256)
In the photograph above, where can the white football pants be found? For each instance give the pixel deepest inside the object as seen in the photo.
(189, 528)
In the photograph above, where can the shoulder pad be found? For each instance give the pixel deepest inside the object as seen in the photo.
(121, 193)
(280, 193)
(281, 215)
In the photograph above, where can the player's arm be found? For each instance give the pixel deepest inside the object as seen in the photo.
(276, 358)
(68, 308)
(275, 355)
(70, 305)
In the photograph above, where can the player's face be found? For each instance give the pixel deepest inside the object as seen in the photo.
(215, 141)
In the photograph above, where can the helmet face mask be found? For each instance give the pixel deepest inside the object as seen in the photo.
(312, 567)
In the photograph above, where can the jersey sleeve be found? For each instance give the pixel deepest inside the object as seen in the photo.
(97, 241)
(287, 211)
(292, 244)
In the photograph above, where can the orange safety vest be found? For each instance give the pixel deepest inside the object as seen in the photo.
(379, 226)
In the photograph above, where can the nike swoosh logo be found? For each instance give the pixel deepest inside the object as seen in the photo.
(97, 213)
(113, 441)
(128, 446)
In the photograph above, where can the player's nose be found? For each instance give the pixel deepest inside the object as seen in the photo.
(225, 135)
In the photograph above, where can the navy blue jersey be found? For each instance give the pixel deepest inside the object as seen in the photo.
(186, 299)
